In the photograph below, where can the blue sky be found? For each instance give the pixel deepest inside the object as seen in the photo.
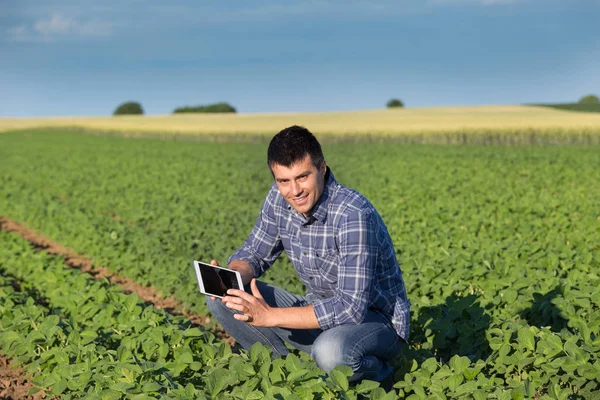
(85, 57)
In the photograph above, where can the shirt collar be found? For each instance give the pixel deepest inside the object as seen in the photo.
(320, 209)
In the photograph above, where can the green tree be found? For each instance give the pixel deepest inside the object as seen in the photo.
(210, 108)
(395, 103)
(589, 99)
(129, 108)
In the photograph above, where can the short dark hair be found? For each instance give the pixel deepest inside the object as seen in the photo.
(291, 145)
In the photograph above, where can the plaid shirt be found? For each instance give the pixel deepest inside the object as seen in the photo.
(342, 252)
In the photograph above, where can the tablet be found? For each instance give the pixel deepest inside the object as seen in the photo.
(215, 281)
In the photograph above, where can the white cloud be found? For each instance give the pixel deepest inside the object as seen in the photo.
(57, 26)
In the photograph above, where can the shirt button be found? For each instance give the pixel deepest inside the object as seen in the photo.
(310, 278)
(304, 253)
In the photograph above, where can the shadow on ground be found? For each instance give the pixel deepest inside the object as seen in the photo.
(543, 312)
(456, 327)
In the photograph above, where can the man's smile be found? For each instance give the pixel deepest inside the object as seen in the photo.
(300, 200)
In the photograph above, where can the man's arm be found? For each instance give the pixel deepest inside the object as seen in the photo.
(358, 248)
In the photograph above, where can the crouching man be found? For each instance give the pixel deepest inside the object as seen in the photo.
(355, 311)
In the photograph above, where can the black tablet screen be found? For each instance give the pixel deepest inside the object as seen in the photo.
(217, 280)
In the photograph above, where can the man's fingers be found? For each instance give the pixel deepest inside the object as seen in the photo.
(214, 262)
(241, 294)
(243, 317)
(238, 307)
(254, 289)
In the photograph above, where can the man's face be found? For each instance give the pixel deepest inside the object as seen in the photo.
(301, 185)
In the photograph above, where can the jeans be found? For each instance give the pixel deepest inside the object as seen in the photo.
(366, 348)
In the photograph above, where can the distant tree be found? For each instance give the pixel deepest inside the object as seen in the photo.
(129, 108)
(589, 99)
(395, 103)
(210, 108)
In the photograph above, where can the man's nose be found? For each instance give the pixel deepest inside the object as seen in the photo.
(296, 189)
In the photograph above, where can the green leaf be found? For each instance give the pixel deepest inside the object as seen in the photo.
(122, 387)
(292, 362)
(193, 332)
(255, 395)
(366, 386)
(217, 381)
(297, 375)
(526, 338)
(60, 387)
(459, 364)
(130, 302)
(339, 376)
(196, 366)
(151, 387)
(88, 336)
(185, 357)
(510, 295)
(431, 365)
(454, 381)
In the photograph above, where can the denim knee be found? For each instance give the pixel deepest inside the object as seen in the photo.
(329, 351)
(217, 308)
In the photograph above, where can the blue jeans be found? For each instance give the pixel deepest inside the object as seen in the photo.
(366, 348)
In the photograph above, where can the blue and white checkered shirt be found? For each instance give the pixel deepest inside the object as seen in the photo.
(342, 252)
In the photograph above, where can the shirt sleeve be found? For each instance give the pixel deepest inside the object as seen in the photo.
(357, 244)
(263, 246)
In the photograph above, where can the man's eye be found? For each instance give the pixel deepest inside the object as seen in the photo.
(303, 177)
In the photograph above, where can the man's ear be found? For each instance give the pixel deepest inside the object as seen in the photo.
(323, 167)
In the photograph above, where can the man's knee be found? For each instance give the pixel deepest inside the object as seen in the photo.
(329, 351)
(217, 308)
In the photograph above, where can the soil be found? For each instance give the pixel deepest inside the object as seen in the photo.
(13, 384)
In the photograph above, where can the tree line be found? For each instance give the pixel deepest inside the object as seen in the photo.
(135, 108)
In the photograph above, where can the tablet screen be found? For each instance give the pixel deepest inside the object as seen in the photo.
(218, 280)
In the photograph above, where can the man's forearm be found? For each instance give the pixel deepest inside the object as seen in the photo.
(244, 269)
(294, 318)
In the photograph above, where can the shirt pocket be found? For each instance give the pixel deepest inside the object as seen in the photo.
(326, 263)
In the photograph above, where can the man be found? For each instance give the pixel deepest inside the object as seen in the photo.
(356, 311)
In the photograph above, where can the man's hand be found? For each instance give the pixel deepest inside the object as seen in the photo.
(255, 309)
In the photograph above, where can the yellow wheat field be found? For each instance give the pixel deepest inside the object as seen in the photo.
(420, 122)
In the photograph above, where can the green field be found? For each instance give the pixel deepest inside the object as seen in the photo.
(499, 246)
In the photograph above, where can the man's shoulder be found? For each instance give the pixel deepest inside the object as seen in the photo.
(347, 201)
(275, 200)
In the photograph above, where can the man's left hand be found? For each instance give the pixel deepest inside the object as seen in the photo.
(255, 309)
